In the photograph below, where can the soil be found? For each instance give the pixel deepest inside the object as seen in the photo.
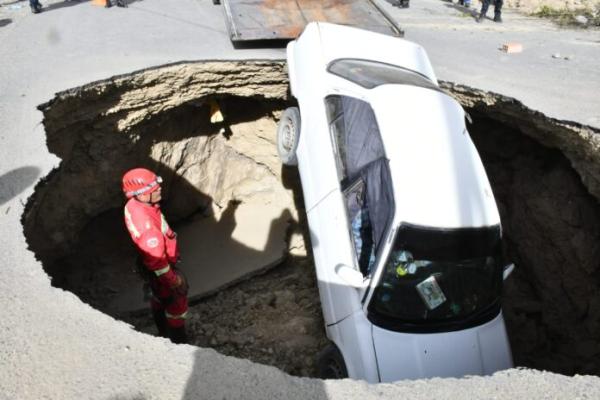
(551, 304)
(273, 319)
(551, 233)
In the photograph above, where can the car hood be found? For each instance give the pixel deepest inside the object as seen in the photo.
(481, 350)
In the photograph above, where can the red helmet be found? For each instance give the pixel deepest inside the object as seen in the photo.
(139, 181)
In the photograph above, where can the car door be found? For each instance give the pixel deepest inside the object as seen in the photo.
(335, 220)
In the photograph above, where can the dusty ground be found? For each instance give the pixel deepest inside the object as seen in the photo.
(529, 6)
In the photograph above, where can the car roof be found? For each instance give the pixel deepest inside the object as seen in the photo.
(339, 41)
(437, 174)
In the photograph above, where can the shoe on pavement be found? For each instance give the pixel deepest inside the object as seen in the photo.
(480, 18)
(497, 18)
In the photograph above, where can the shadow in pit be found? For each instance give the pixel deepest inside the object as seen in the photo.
(551, 302)
(211, 256)
(14, 182)
(96, 259)
(94, 156)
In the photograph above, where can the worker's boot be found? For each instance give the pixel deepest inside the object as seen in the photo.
(36, 8)
(497, 17)
(480, 18)
(178, 335)
(161, 323)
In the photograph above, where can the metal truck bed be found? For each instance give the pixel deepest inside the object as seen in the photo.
(250, 20)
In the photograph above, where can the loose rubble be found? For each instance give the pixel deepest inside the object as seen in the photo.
(273, 319)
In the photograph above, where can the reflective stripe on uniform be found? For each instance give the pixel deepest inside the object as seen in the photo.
(164, 227)
(176, 316)
(130, 225)
(162, 271)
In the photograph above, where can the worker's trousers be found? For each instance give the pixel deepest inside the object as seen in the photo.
(169, 301)
(497, 7)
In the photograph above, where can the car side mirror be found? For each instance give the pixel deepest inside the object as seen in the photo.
(508, 269)
(351, 276)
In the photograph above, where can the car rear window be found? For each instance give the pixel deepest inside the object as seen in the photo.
(370, 74)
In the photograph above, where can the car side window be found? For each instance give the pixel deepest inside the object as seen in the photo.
(355, 135)
(358, 148)
(360, 225)
(335, 117)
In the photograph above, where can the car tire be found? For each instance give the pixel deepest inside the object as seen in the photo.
(288, 134)
(330, 363)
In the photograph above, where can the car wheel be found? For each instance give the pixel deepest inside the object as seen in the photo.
(330, 364)
(288, 133)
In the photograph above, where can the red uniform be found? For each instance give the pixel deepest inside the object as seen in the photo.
(157, 245)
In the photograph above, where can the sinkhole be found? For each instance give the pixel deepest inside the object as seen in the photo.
(240, 218)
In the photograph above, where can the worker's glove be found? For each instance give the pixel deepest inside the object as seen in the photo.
(181, 286)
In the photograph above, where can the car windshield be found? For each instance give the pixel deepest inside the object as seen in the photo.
(439, 280)
(370, 74)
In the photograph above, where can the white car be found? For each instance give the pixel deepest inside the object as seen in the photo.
(404, 226)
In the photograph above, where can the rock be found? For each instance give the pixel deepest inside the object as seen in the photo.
(283, 297)
(238, 340)
(298, 325)
(556, 55)
(268, 298)
(512, 47)
(209, 329)
(222, 337)
(251, 301)
(581, 19)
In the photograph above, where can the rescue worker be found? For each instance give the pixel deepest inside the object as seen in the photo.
(158, 252)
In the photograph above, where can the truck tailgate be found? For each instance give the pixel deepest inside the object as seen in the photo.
(249, 20)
